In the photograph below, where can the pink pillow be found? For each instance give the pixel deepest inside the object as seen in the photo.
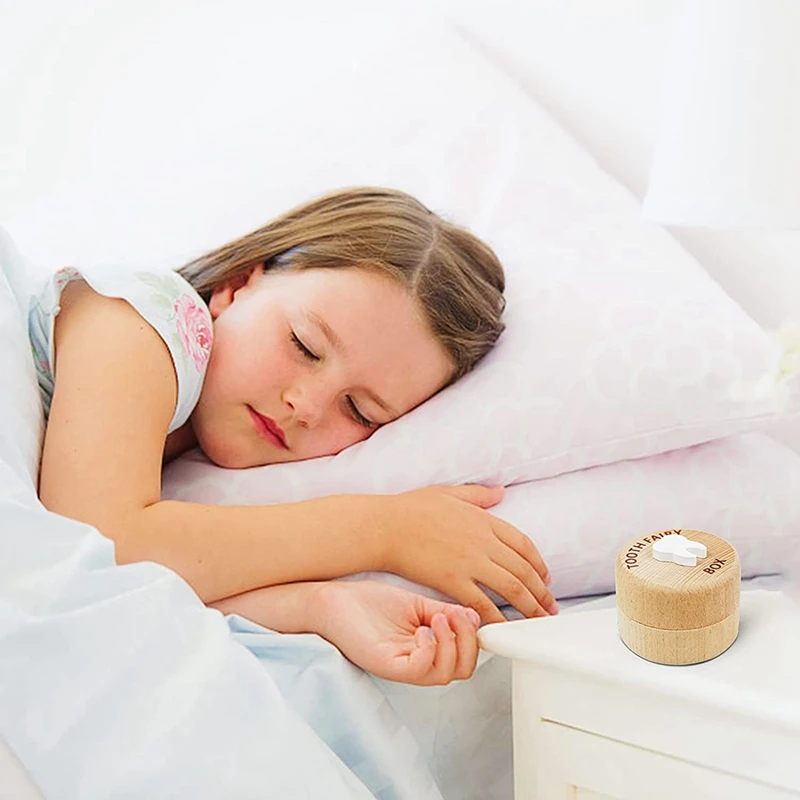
(744, 488)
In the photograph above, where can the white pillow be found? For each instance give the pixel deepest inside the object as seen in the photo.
(745, 488)
(618, 344)
(21, 416)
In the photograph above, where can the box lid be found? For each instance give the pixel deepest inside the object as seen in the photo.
(678, 594)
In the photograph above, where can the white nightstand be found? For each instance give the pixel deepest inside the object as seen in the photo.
(594, 721)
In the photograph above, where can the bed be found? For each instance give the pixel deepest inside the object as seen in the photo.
(117, 681)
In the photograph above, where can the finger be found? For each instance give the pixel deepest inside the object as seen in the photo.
(428, 608)
(520, 584)
(444, 663)
(465, 622)
(504, 583)
(477, 494)
(420, 661)
(521, 544)
(468, 594)
(472, 596)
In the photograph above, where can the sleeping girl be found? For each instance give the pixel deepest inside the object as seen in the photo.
(290, 343)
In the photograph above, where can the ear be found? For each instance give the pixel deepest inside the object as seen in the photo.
(223, 294)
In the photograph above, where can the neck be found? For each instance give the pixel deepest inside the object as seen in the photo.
(178, 442)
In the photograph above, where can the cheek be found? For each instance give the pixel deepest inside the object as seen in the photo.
(226, 372)
(335, 437)
(349, 434)
(244, 370)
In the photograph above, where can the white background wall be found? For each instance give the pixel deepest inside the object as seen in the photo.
(597, 66)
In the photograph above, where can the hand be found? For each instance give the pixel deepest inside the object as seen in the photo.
(395, 634)
(442, 537)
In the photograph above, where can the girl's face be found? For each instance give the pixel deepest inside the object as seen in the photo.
(272, 364)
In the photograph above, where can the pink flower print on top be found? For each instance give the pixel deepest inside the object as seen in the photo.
(64, 275)
(194, 330)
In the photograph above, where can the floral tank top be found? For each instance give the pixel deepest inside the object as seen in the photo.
(166, 301)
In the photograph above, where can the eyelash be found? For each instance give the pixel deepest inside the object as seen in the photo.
(359, 418)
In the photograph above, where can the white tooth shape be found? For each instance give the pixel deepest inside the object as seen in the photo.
(677, 548)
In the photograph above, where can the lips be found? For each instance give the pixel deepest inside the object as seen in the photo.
(268, 429)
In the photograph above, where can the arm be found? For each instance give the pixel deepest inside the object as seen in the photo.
(115, 395)
(225, 550)
(291, 608)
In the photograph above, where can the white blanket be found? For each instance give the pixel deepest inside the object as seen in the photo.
(117, 682)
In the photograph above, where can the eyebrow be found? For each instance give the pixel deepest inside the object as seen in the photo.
(339, 345)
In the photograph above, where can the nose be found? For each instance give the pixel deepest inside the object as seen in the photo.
(308, 402)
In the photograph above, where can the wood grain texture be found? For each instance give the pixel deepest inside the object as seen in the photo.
(678, 647)
(676, 614)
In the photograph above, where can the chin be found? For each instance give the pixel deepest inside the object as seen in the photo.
(222, 458)
(221, 453)
(226, 461)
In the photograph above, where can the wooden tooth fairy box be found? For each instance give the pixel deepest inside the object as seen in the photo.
(678, 596)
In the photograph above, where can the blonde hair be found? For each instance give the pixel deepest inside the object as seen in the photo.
(456, 278)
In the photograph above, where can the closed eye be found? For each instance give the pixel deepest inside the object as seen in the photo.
(357, 415)
(360, 418)
(303, 349)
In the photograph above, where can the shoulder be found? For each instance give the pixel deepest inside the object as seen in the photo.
(115, 393)
(98, 333)
(173, 309)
